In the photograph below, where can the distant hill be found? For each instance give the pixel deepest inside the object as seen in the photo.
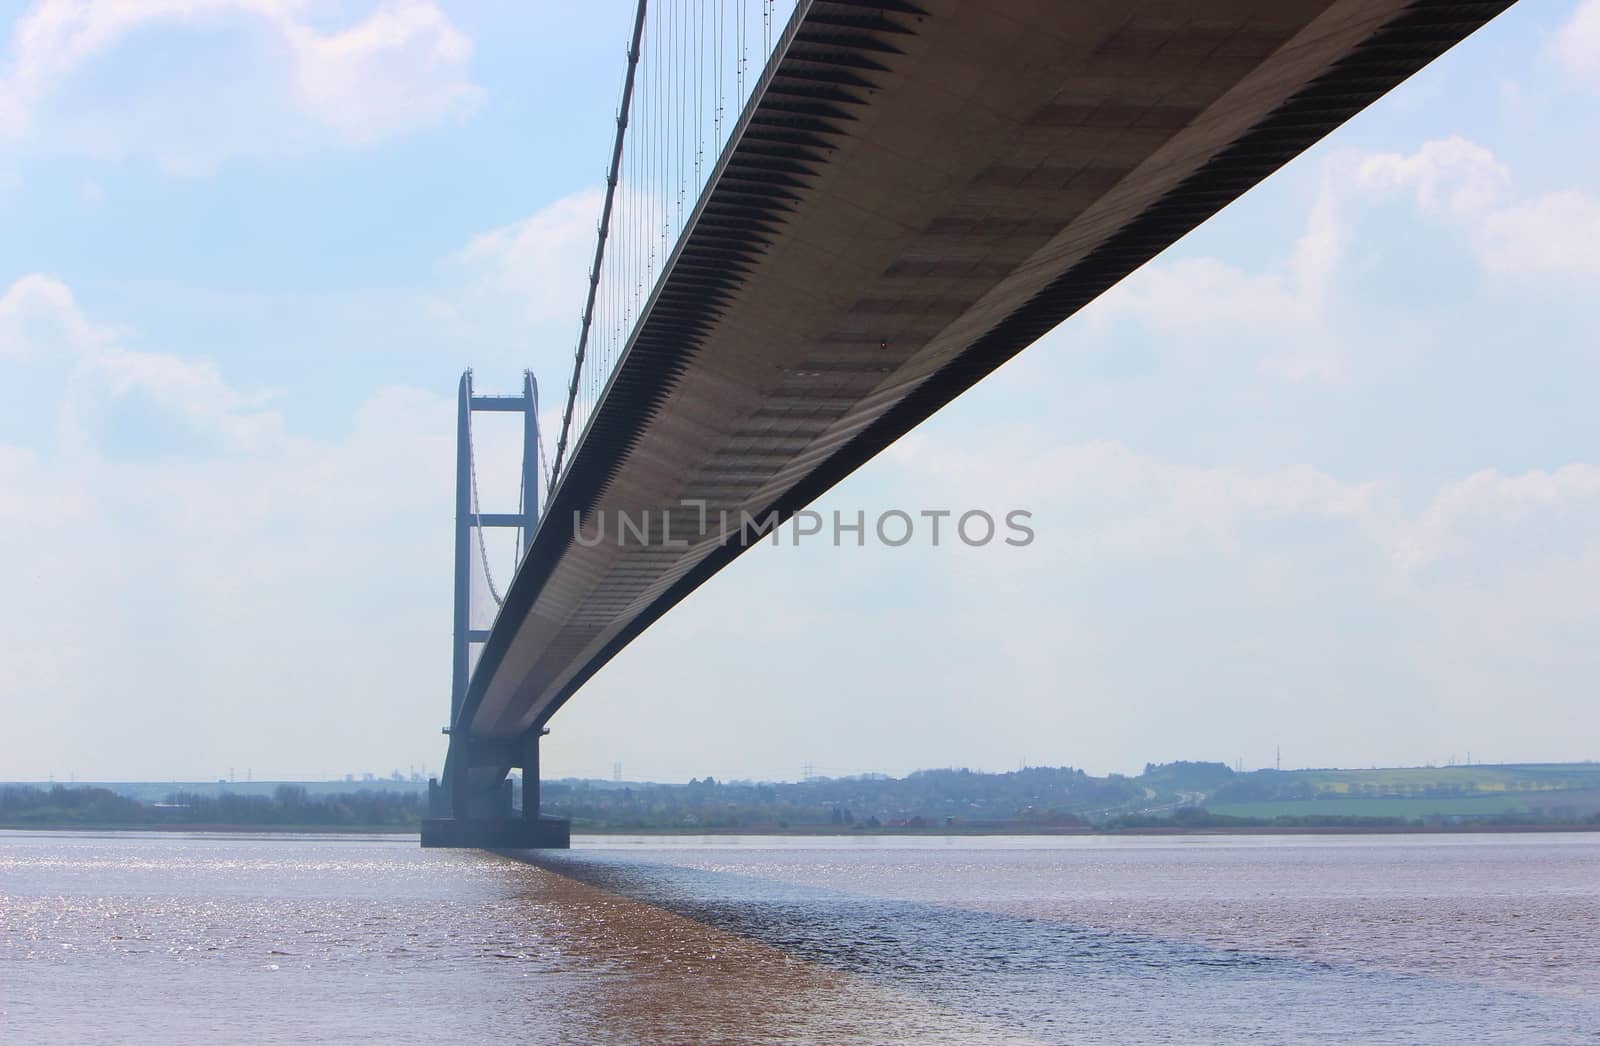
(1183, 794)
(1549, 790)
(290, 806)
(1187, 776)
(156, 791)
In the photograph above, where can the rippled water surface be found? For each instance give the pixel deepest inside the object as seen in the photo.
(142, 937)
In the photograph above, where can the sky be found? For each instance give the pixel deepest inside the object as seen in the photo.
(1323, 478)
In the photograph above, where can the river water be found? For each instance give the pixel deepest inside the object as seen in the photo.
(120, 937)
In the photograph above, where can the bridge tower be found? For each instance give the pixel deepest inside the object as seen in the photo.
(472, 805)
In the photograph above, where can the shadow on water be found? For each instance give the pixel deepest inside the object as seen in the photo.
(1060, 982)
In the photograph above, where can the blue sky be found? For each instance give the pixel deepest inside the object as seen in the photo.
(1324, 476)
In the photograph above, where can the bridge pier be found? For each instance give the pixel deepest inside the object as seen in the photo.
(530, 774)
(472, 807)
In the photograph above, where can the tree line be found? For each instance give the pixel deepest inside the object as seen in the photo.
(289, 805)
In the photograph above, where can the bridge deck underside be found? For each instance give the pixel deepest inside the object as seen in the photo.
(916, 195)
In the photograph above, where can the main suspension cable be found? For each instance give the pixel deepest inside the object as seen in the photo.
(600, 247)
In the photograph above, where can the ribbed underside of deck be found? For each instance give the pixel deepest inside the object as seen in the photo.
(918, 192)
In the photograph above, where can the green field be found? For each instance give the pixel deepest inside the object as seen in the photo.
(1403, 808)
(1509, 777)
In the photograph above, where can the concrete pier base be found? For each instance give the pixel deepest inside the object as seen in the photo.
(510, 833)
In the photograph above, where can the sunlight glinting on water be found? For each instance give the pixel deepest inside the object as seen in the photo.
(929, 940)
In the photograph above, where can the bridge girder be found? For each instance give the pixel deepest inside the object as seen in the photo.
(957, 179)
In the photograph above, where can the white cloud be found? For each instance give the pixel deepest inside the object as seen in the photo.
(40, 320)
(191, 393)
(27, 495)
(400, 68)
(1206, 306)
(403, 66)
(1577, 43)
(233, 596)
(176, 599)
(1175, 606)
(539, 264)
(1203, 304)
(39, 317)
(1201, 295)
(1120, 499)
(1490, 513)
(1102, 502)
(1452, 175)
(1554, 234)
(186, 611)
(512, 298)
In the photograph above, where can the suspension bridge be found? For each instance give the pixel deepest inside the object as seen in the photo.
(824, 220)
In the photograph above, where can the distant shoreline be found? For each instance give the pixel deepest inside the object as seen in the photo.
(223, 829)
(1168, 799)
(877, 833)
(1460, 829)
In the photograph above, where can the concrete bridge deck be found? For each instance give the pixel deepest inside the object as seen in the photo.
(918, 193)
